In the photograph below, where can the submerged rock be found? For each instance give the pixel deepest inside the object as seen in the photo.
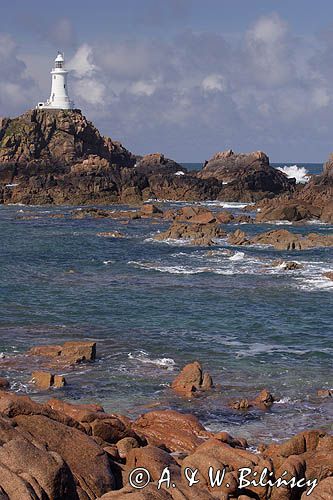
(110, 234)
(287, 266)
(263, 401)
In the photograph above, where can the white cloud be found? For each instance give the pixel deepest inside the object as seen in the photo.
(142, 87)
(214, 82)
(193, 93)
(81, 63)
(269, 30)
(89, 90)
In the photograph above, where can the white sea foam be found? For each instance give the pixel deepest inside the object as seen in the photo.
(143, 357)
(283, 401)
(226, 204)
(298, 173)
(169, 269)
(170, 241)
(280, 223)
(237, 256)
(315, 283)
(180, 172)
(207, 203)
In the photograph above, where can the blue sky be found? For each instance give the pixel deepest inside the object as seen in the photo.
(184, 77)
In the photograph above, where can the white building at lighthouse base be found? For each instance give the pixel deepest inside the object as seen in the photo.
(59, 98)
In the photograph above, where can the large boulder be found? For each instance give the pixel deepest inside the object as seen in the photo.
(178, 432)
(323, 490)
(70, 353)
(191, 379)
(44, 471)
(87, 461)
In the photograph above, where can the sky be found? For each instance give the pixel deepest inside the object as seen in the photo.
(186, 78)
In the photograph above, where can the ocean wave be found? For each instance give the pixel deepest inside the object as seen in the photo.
(296, 172)
(143, 357)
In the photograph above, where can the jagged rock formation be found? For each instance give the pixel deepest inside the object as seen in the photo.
(59, 157)
(246, 176)
(312, 201)
(56, 137)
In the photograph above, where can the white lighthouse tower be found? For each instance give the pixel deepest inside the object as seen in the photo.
(59, 98)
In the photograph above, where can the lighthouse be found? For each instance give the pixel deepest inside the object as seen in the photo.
(59, 98)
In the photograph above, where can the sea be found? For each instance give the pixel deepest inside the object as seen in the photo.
(154, 306)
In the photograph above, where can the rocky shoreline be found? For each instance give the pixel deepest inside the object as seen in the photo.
(79, 451)
(59, 157)
(59, 450)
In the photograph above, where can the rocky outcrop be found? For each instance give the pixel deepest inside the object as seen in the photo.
(176, 431)
(289, 211)
(47, 380)
(246, 177)
(56, 138)
(59, 157)
(264, 400)
(156, 163)
(58, 450)
(70, 353)
(281, 239)
(312, 201)
(191, 380)
(196, 233)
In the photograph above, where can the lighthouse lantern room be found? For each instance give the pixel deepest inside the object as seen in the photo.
(59, 98)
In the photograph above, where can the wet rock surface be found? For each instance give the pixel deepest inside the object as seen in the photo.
(192, 379)
(59, 450)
